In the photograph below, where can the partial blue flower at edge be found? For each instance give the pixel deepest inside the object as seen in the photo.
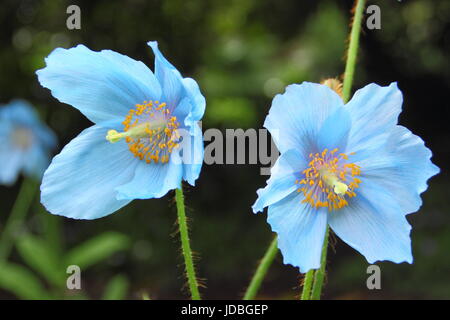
(25, 142)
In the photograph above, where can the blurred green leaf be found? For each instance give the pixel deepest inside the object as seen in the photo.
(97, 249)
(116, 289)
(41, 258)
(235, 112)
(145, 296)
(21, 282)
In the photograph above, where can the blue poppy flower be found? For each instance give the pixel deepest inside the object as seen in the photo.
(25, 142)
(146, 138)
(347, 166)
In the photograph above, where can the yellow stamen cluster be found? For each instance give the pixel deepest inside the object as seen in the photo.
(328, 180)
(150, 131)
(22, 138)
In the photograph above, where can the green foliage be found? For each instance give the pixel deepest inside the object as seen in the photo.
(116, 289)
(37, 254)
(22, 282)
(229, 111)
(96, 249)
(45, 258)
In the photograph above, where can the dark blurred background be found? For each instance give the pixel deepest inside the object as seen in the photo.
(242, 53)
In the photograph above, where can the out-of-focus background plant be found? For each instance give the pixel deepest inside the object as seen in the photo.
(242, 53)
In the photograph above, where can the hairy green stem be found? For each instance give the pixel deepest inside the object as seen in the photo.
(350, 65)
(352, 51)
(320, 273)
(307, 284)
(20, 208)
(52, 227)
(185, 245)
(261, 271)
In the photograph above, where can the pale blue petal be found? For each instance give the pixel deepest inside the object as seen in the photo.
(182, 112)
(103, 85)
(37, 161)
(12, 161)
(169, 78)
(295, 118)
(176, 89)
(153, 180)
(373, 223)
(335, 130)
(301, 231)
(191, 142)
(45, 136)
(374, 111)
(402, 168)
(80, 182)
(5, 128)
(193, 155)
(198, 101)
(286, 170)
(19, 112)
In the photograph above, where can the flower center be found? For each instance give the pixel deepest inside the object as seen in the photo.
(329, 180)
(150, 132)
(22, 138)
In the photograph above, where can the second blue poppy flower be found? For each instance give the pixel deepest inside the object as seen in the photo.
(349, 166)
